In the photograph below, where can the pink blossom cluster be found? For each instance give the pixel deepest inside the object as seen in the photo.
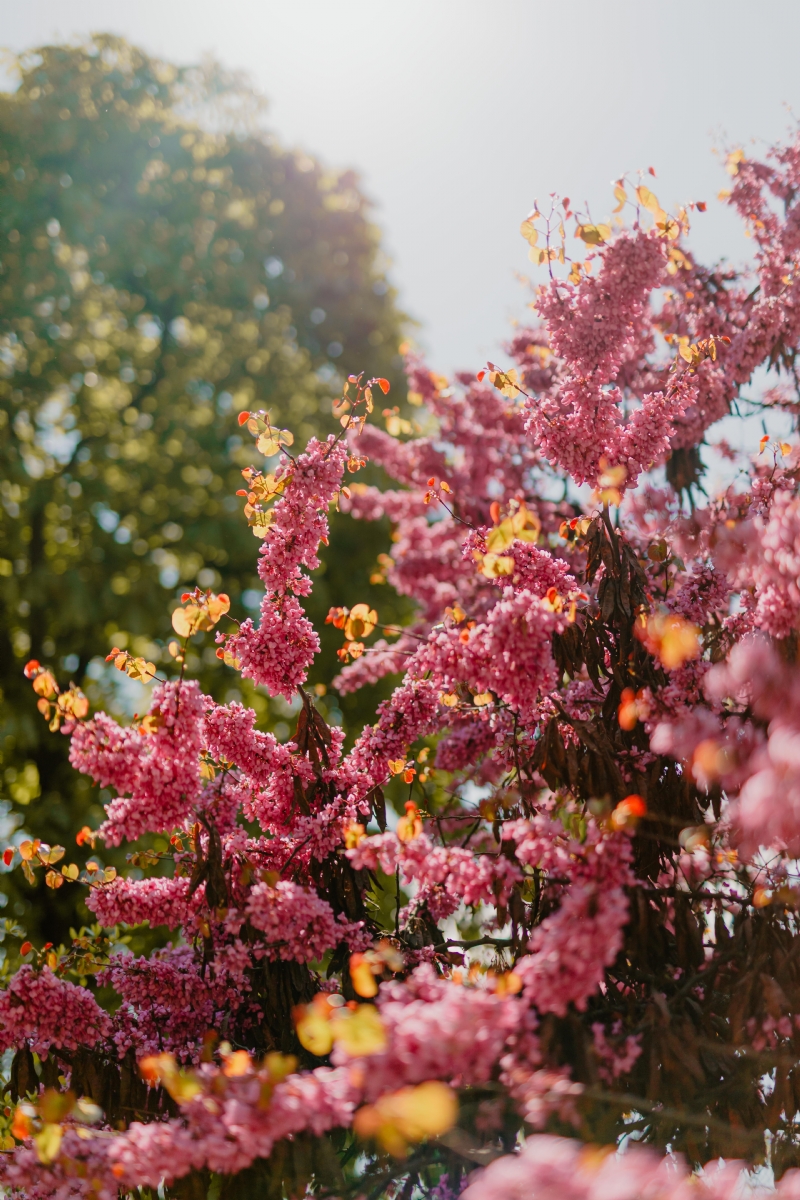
(406, 716)
(593, 324)
(159, 900)
(553, 1166)
(509, 653)
(757, 762)
(231, 1121)
(438, 1029)
(39, 1010)
(296, 922)
(446, 876)
(159, 768)
(168, 1002)
(278, 652)
(570, 949)
(770, 566)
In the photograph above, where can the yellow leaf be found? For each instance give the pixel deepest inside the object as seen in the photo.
(54, 1107)
(481, 699)
(647, 199)
(612, 477)
(785, 448)
(313, 1030)
(593, 235)
(525, 525)
(184, 620)
(218, 606)
(260, 522)
(733, 160)
(501, 537)
(182, 1086)
(396, 425)
(268, 444)
(529, 232)
(360, 622)
(397, 765)
(359, 1031)
(449, 699)
(408, 1116)
(669, 227)
(71, 871)
(507, 381)
(621, 196)
(496, 565)
(48, 1143)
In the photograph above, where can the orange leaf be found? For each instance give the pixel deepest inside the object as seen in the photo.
(628, 812)
(21, 1125)
(364, 981)
(44, 684)
(409, 826)
(237, 1063)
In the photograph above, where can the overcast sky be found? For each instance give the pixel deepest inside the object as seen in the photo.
(459, 113)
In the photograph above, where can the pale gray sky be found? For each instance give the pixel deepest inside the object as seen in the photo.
(458, 113)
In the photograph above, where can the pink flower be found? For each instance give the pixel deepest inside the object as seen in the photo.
(39, 1010)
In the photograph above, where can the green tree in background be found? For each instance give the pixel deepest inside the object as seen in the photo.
(164, 264)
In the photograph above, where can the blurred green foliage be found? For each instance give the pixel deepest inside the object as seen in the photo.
(164, 264)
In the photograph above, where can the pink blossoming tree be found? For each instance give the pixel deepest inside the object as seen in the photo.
(575, 920)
